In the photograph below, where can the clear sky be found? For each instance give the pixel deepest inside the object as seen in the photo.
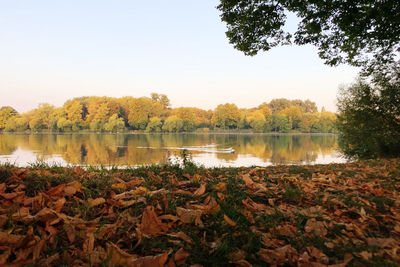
(51, 51)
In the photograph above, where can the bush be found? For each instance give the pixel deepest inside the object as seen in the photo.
(369, 116)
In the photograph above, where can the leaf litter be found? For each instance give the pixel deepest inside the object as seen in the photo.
(322, 215)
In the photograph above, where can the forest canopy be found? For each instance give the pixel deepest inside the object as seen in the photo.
(154, 114)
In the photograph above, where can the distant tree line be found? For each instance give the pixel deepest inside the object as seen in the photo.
(154, 114)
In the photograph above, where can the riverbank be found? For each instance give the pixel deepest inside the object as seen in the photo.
(176, 133)
(156, 215)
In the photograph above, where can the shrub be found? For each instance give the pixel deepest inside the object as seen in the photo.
(369, 116)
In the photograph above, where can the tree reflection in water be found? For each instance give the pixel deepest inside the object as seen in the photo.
(138, 149)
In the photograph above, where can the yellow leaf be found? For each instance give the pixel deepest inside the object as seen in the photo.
(96, 202)
(119, 186)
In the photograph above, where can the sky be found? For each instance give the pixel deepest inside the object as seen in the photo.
(52, 51)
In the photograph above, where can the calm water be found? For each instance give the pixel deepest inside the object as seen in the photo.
(137, 149)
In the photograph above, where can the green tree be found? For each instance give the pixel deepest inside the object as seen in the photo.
(358, 32)
(293, 114)
(369, 117)
(41, 117)
(276, 105)
(115, 124)
(173, 124)
(309, 123)
(154, 125)
(64, 125)
(17, 123)
(280, 123)
(327, 122)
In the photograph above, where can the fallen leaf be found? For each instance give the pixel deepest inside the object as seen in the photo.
(316, 227)
(151, 224)
(95, 202)
(251, 205)
(189, 216)
(221, 186)
(118, 257)
(181, 256)
(151, 261)
(229, 220)
(201, 190)
(182, 236)
(121, 186)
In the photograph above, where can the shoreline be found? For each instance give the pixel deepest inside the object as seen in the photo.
(165, 133)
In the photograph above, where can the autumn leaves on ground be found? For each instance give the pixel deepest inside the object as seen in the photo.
(336, 214)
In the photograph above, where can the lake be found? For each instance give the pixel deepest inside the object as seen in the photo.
(140, 149)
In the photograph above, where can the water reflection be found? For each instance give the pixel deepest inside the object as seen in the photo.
(207, 149)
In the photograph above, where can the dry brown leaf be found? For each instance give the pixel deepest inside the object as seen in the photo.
(71, 188)
(16, 196)
(317, 227)
(251, 184)
(38, 249)
(201, 190)
(251, 205)
(2, 188)
(182, 236)
(118, 257)
(79, 170)
(4, 256)
(189, 215)
(286, 230)
(10, 239)
(209, 206)
(237, 255)
(70, 230)
(151, 224)
(88, 244)
(280, 256)
(380, 242)
(221, 186)
(151, 261)
(169, 217)
(181, 256)
(365, 255)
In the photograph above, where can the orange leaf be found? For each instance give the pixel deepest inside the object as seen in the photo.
(221, 186)
(201, 190)
(96, 202)
(121, 186)
(229, 220)
(59, 204)
(181, 256)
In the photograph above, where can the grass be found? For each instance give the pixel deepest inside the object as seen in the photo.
(287, 195)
